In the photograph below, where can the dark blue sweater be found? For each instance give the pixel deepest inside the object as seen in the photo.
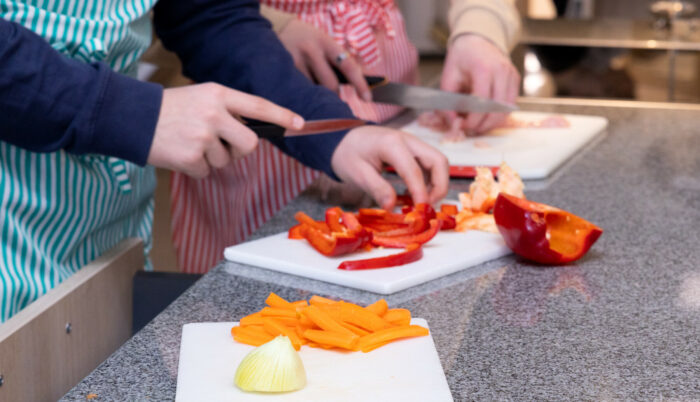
(50, 102)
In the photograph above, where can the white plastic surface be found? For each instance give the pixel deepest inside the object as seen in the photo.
(448, 252)
(533, 152)
(406, 370)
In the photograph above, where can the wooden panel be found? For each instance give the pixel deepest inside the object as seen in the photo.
(39, 359)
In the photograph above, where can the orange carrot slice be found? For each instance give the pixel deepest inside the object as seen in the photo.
(340, 340)
(300, 303)
(252, 319)
(275, 327)
(324, 320)
(390, 334)
(277, 302)
(379, 307)
(354, 328)
(278, 312)
(398, 316)
(253, 338)
(316, 300)
(361, 317)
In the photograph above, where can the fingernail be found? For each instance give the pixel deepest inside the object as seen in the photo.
(298, 122)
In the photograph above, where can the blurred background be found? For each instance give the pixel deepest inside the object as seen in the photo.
(621, 49)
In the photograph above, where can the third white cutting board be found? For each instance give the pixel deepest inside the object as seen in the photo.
(448, 252)
(533, 152)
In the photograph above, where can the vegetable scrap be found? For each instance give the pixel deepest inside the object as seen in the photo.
(342, 233)
(542, 233)
(328, 324)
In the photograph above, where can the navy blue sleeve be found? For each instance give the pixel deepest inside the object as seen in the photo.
(49, 102)
(229, 42)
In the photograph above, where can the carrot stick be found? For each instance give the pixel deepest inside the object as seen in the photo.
(252, 319)
(278, 312)
(300, 303)
(324, 320)
(332, 310)
(354, 328)
(245, 335)
(316, 300)
(275, 301)
(375, 346)
(398, 316)
(379, 307)
(275, 327)
(366, 342)
(361, 317)
(305, 321)
(340, 340)
(252, 330)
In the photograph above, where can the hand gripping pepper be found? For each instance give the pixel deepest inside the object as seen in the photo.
(542, 233)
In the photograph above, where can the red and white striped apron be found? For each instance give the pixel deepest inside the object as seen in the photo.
(223, 209)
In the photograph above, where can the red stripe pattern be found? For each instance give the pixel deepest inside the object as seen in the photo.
(226, 207)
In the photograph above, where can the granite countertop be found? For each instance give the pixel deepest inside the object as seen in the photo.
(622, 323)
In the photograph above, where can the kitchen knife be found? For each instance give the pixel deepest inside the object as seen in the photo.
(273, 131)
(416, 97)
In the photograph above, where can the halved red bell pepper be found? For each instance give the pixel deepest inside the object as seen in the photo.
(333, 217)
(413, 252)
(542, 233)
(404, 241)
(296, 232)
(333, 244)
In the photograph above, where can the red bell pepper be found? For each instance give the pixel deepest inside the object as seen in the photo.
(542, 233)
(307, 220)
(333, 244)
(447, 222)
(449, 209)
(333, 216)
(404, 241)
(296, 232)
(413, 252)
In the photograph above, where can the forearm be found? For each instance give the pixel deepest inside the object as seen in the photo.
(49, 102)
(495, 20)
(229, 42)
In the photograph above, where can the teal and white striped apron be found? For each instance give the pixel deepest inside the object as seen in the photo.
(60, 211)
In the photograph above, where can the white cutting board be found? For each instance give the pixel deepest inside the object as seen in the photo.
(405, 370)
(533, 152)
(446, 253)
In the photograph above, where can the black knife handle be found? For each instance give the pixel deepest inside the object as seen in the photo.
(265, 130)
(372, 80)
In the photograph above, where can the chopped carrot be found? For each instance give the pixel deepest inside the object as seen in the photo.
(324, 320)
(375, 346)
(390, 334)
(316, 300)
(340, 340)
(398, 316)
(249, 337)
(305, 321)
(278, 312)
(275, 327)
(252, 319)
(354, 328)
(332, 310)
(361, 317)
(300, 303)
(379, 307)
(275, 301)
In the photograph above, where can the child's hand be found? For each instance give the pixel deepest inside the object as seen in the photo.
(475, 65)
(361, 154)
(197, 129)
(314, 52)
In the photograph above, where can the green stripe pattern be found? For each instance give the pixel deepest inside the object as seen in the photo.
(60, 211)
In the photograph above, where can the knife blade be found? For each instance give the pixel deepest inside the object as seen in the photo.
(417, 97)
(311, 127)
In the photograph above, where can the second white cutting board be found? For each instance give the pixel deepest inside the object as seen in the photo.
(533, 152)
(447, 253)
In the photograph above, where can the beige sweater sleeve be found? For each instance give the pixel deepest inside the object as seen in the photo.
(278, 19)
(495, 20)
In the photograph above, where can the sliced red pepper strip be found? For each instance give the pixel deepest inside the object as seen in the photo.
(296, 232)
(449, 209)
(413, 252)
(448, 222)
(404, 199)
(426, 209)
(333, 216)
(542, 233)
(306, 219)
(416, 224)
(353, 225)
(404, 241)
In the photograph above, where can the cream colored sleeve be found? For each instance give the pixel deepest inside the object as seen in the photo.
(495, 20)
(278, 19)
